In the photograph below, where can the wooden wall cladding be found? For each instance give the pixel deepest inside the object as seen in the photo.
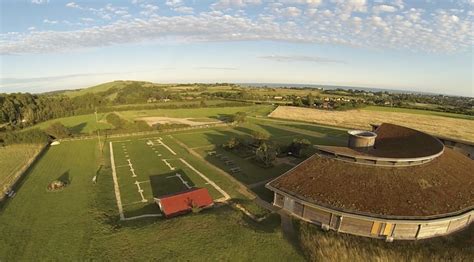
(403, 231)
(316, 215)
(433, 229)
(356, 226)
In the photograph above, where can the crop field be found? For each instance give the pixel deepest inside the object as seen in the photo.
(148, 168)
(12, 159)
(361, 119)
(417, 111)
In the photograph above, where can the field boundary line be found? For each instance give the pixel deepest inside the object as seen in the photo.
(218, 188)
(116, 185)
(160, 141)
(242, 188)
(142, 216)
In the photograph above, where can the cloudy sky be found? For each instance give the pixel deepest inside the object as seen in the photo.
(418, 45)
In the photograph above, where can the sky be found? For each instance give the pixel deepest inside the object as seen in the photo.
(414, 45)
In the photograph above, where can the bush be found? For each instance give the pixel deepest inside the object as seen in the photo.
(58, 130)
(32, 136)
(116, 121)
(300, 147)
(266, 154)
(233, 143)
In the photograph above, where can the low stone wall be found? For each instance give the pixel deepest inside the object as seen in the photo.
(371, 226)
(22, 172)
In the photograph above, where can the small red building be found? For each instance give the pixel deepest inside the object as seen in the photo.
(184, 202)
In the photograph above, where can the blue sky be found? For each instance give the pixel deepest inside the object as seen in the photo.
(422, 45)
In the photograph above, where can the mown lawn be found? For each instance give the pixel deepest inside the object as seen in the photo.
(81, 221)
(13, 158)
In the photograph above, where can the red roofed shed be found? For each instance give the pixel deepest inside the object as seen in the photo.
(183, 202)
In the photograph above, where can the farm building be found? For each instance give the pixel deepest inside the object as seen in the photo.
(392, 183)
(184, 202)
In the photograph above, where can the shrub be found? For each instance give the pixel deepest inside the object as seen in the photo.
(58, 130)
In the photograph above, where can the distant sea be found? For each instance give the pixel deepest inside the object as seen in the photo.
(334, 87)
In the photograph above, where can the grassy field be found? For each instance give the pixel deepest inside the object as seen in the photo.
(81, 221)
(13, 158)
(416, 111)
(213, 112)
(158, 170)
(85, 124)
(361, 119)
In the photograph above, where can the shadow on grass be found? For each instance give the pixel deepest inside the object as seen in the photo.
(169, 183)
(65, 178)
(77, 129)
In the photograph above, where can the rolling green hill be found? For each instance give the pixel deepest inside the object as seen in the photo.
(103, 87)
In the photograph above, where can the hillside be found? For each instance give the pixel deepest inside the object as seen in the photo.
(119, 84)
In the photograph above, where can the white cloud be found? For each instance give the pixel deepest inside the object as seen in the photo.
(52, 22)
(300, 58)
(73, 5)
(224, 4)
(292, 11)
(39, 2)
(184, 9)
(384, 8)
(87, 19)
(334, 22)
(174, 3)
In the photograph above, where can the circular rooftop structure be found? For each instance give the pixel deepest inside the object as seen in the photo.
(406, 186)
(388, 145)
(361, 139)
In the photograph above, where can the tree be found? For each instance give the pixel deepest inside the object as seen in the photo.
(300, 147)
(238, 117)
(58, 130)
(266, 154)
(259, 137)
(233, 143)
(310, 100)
(297, 102)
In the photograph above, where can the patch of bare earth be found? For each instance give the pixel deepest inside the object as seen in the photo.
(152, 120)
(361, 119)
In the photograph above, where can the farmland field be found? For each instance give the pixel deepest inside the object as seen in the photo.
(417, 111)
(361, 119)
(79, 124)
(12, 160)
(81, 221)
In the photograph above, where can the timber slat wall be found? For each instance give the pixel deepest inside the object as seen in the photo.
(374, 227)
